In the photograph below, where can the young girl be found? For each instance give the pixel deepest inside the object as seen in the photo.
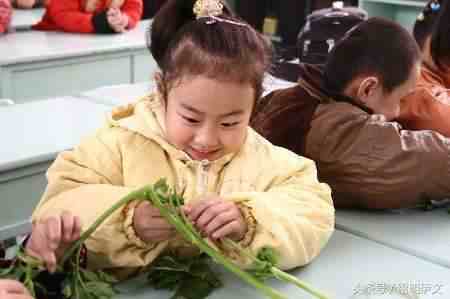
(429, 106)
(91, 16)
(341, 117)
(194, 132)
(5, 15)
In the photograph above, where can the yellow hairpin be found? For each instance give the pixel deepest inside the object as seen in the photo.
(208, 8)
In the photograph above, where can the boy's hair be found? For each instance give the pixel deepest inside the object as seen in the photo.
(183, 45)
(440, 38)
(374, 47)
(425, 22)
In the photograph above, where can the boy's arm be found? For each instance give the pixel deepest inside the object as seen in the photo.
(371, 163)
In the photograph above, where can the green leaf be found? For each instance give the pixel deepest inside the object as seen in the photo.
(194, 288)
(106, 277)
(100, 289)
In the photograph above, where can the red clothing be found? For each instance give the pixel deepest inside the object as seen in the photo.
(5, 15)
(72, 16)
(428, 108)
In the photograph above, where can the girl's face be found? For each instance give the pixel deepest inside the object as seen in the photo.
(208, 118)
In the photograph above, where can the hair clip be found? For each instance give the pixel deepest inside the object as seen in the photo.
(420, 17)
(207, 8)
(435, 6)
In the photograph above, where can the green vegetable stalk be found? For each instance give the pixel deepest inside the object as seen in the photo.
(264, 267)
(82, 283)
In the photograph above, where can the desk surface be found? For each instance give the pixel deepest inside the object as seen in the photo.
(348, 268)
(34, 46)
(23, 19)
(36, 132)
(420, 233)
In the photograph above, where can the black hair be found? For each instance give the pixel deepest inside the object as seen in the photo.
(227, 48)
(440, 38)
(374, 47)
(425, 22)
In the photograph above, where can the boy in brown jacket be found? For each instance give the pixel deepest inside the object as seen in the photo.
(341, 117)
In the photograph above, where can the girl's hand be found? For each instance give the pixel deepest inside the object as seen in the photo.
(11, 289)
(52, 236)
(149, 225)
(217, 218)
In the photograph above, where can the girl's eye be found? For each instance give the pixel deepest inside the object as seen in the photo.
(228, 125)
(191, 120)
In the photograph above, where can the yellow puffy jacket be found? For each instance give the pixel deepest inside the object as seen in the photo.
(285, 205)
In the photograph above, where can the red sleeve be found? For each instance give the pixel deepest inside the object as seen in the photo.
(69, 16)
(133, 9)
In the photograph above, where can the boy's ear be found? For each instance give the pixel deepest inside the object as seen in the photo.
(367, 88)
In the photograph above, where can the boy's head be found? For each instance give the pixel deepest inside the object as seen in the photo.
(377, 64)
(212, 70)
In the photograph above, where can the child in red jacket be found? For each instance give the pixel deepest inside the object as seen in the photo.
(91, 16)
(5, 15)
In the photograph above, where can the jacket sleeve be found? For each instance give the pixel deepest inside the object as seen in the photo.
(69, 16)
(133, 9)
(371, 163)
(294, 215)
(87, 181)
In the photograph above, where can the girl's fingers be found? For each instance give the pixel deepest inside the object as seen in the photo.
(50, 261)
(197, 209)
(219, 221)
(68, 224)
(211, 213)
(12, 287)
(160, 224)
(53, 231)
(76, 229)
(227, 229)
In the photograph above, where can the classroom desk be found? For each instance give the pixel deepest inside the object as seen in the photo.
(23, 19)
(349, 267)
(126, 93)
(32, 135)
(37, 64)
(424, 234)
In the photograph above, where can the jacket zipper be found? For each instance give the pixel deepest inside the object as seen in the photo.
(202, 177)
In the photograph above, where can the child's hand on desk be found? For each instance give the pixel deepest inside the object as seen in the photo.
(11, 289)
(217, 218)
(52, 236)
(149, 225)
(117, 20)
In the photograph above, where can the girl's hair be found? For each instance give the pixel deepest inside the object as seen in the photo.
(183, 45)
(440, 38)
(425, 21)
(374, 47)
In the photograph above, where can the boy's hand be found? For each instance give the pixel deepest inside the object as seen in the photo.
(217, 218)
(52, 236)
(11, 289)
(117, 20)
(149, 225)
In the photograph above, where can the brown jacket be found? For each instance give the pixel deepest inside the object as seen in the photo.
(368, 162)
